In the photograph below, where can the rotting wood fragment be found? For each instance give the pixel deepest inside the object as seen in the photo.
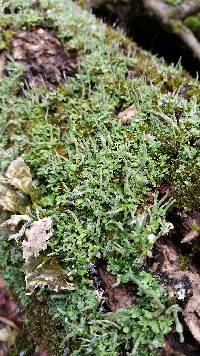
(43, 58)
(179, 284)
(122, 296)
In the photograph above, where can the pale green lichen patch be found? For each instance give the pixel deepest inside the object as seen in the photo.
(94, 175)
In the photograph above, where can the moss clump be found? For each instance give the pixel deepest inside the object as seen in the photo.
(95, 175)
(193, 22)
(174, 2)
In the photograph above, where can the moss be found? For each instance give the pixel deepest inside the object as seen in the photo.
(193, 22)
(6, 39)
(174, 2)
(94, 176)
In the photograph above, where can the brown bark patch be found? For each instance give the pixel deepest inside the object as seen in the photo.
(43, 57)
(122, 296)
(181, 284)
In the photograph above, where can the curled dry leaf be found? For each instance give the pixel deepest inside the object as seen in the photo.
(11, 200)
(16, 182)
(46, 273)
(191, 227)
(37, 235)
(190, 237)
(12, 225)
(128, 115)
(19, 175)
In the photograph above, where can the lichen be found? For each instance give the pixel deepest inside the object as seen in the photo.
(94, 176)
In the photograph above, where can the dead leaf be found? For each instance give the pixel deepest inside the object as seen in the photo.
(19, 175)
(46, 272)
(17, 181)
(8, 335)
(128, 115)
(37, 235)
(11, 200)
(190, 237)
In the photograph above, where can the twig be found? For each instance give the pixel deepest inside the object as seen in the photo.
(187, 8)
(164, 13)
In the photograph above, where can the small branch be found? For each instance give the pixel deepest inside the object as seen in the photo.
(190, 40)
(187, 8)
(163, 12)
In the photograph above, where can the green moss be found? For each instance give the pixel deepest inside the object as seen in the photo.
(174, 2)
(94, 175)
(193, 22)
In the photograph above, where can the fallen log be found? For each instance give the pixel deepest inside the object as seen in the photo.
(93, 129)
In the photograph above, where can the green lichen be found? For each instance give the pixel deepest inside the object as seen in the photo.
(94, 175)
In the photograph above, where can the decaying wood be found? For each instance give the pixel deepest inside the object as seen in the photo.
(171, 19)
(122, 296)
(181, 284)
(43, 57)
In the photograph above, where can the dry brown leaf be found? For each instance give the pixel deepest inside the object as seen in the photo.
(19, 175)
(17, 181)
(37, 237)
(46, 273)
(128, 115)
(190, 237)
(11, 200)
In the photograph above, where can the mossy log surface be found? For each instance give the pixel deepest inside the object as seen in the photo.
(106, 177)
